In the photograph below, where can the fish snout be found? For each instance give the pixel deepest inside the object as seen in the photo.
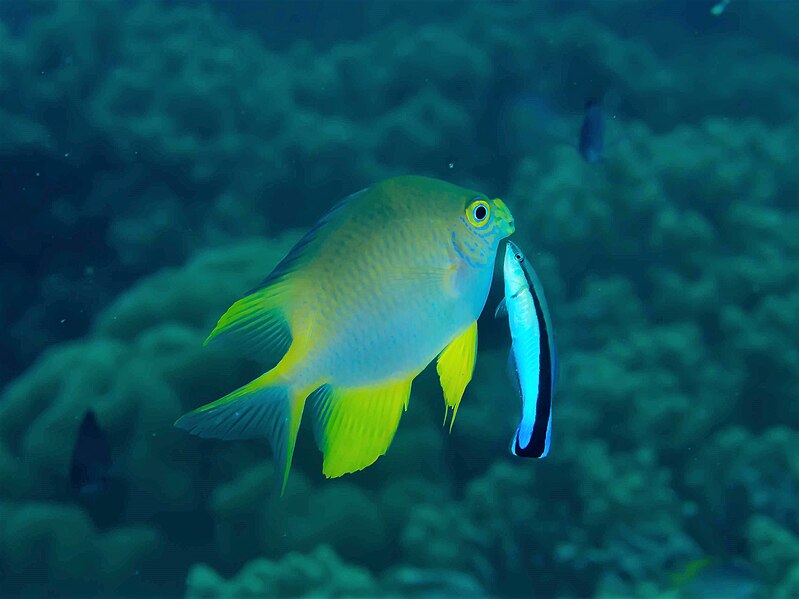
(513, 273)
(504, 218)
(511, 249)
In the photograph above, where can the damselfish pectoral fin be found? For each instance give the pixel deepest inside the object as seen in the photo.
(425, 280)
(355, 426)
(455, 367)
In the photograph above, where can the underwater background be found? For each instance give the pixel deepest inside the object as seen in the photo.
(157, 159)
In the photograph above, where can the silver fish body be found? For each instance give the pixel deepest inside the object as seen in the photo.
(533, 356)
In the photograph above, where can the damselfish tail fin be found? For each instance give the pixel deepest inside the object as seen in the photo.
(266, 407)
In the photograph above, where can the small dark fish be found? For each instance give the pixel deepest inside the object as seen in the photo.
(592, 132)
(90, 471)
(529, 117)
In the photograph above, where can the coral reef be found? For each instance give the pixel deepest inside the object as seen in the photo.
(319, 574)
(153, 154)
(143, 366)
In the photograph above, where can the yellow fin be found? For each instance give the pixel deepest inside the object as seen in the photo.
(355, 426)
(691, 571)
(455, 367)
(257, 322)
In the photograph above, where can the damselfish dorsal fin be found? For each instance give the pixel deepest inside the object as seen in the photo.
(305, 247)
(258, 323)
(355, 426)
(455, 367)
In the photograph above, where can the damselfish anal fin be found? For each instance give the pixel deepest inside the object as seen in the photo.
(455, 367)
(355, 426)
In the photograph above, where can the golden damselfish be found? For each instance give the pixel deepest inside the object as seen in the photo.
(390, 278)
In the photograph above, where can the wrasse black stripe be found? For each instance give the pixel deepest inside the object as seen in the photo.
(543, 405)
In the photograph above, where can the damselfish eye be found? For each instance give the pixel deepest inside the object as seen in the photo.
(478, 213)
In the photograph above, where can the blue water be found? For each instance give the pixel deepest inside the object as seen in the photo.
(157, 159)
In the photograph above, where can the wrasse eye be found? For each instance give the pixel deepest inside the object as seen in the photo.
(519, 258)
(478, 212)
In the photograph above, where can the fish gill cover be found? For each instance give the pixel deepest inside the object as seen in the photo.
(158, 158)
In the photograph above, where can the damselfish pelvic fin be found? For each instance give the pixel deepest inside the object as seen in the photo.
(355, 426)
(502, 309)
(256, 323)
(262, 408)
(455, 367)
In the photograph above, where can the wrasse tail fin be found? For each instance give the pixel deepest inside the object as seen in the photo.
(455, 367)
(536, 446)
(355, 426)
(263, 408)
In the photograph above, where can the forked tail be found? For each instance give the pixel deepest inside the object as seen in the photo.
(266, 407)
